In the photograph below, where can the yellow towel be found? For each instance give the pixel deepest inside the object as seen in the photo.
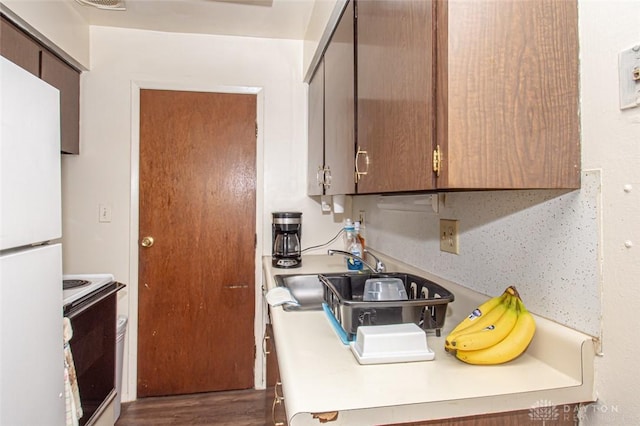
(72, 394)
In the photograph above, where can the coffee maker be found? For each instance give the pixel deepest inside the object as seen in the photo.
(286, 232)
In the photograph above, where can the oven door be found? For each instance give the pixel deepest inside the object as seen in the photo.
(93, 348)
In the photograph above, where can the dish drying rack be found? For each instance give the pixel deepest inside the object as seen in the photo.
(426, 305)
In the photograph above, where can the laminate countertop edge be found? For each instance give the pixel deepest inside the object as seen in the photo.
(319, 374)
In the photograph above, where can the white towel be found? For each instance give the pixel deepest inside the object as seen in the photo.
(71, 391)
(280, 296)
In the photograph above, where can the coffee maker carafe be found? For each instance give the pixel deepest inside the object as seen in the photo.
(286, 232)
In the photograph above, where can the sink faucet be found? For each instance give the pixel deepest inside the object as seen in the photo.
(379, 268)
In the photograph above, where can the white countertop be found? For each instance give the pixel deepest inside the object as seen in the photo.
(320, 374)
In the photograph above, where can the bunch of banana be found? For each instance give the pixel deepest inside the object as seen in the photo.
(495, 332)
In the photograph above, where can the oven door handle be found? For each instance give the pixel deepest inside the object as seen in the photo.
(91, 301)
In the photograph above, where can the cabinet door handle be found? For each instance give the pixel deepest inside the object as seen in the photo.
(275, 391)
(359, 174)
(264, 345)
(277, 399)
(327, 177)
(437, 160)
(320, 176)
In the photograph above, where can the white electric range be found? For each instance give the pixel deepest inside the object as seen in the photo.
(84, 284)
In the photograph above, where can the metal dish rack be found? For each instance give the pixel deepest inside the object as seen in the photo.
(426, 305)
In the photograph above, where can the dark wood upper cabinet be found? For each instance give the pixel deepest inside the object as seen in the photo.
(508, 94)
(331, 137)
(19, 48)
(66, 79)
(315, 152)
(26, 52)
(395, 63)
(339, 106)
(491, 87)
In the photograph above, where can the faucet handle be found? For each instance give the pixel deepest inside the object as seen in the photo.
(380, 266)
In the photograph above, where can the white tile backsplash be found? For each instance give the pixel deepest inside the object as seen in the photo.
(545, 242)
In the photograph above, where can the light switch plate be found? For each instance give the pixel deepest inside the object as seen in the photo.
(629, 69)
(104, 213)
(449, 236)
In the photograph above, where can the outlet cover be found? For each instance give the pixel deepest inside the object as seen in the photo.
(629, 69)
(449, 236)
(362, 217)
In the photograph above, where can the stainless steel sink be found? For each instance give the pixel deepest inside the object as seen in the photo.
(306, 289)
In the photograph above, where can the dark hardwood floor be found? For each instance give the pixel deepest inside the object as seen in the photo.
(237, 408)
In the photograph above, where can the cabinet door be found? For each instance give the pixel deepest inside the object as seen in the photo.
(17, 47)
(508, 94)
(395, 94)
(67, 80)
(339, 106)
(274, 402)
(315, 154)
(563, 415)
(273, 375)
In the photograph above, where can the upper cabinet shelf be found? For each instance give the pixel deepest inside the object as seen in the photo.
(466, 95)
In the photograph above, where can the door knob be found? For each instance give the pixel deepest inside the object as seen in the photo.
(146, 242)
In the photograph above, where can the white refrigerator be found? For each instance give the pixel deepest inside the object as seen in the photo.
(31, 342)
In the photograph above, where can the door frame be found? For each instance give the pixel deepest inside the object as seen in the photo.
(130, 364)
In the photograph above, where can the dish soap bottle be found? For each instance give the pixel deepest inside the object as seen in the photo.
(353, 246)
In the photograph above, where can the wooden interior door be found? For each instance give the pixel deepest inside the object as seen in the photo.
(196, 280)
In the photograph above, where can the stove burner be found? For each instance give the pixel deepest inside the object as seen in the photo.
(69, 284)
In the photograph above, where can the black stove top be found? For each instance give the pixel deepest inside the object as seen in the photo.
(69, 284)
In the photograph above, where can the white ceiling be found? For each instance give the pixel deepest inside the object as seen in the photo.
(254, 18)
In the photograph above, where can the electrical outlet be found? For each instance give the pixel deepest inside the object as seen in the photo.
(362, 216)
(449, 236)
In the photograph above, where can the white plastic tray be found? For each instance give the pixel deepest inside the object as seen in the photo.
(384, 344)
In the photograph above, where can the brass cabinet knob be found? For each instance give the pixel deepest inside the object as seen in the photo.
(146, 242)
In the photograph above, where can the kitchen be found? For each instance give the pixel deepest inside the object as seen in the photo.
(121, 57)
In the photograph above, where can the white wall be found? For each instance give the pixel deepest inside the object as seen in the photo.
(611, 149)
(611, 141)
(122, 60)
(320, 18)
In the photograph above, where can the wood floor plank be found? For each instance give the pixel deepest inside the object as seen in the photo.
(237, 408)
